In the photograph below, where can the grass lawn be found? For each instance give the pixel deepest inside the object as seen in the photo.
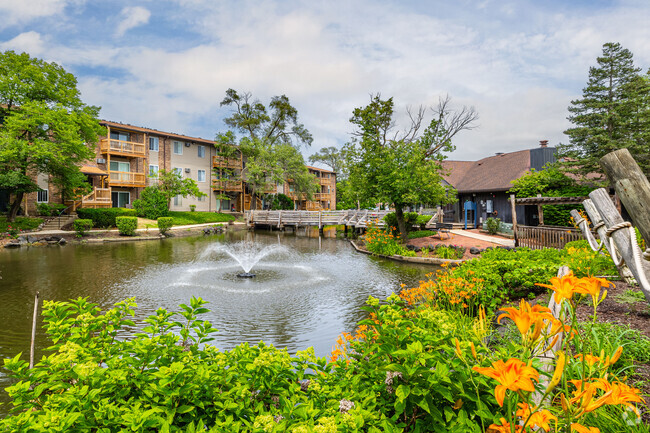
(22, 223)
(186, 218)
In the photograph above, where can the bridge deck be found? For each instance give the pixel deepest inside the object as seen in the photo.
(281, 218)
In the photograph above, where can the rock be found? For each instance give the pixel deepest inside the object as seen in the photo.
(474, 251)
(432, 247)
(207, 230)
(62, 241)
(13, 245)
(505, 248)
(38, 244)
(22, 240)
(52, 242)
(410, 247)
(55, 238)
(417, 249)
(32, 239)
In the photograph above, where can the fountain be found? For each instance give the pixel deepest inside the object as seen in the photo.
(246, 254)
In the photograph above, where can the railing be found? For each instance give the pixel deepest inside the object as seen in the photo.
(355, 218)
(326, 180)
(120, 147)
(321, 196)
(227, 185)
(100, 197)
(546, 236)
(220, 161)
(126, 178)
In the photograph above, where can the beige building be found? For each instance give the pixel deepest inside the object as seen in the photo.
(129, 157)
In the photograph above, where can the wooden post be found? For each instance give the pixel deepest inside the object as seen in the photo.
(632, 187)
(540, 212)
(33, 344)
(611, 217)
(514, 218)
(601, 231)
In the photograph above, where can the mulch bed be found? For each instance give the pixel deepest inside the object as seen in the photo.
(462, 241)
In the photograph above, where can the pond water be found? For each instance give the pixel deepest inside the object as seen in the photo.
(306, 292)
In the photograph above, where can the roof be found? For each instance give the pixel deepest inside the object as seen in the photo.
(494, 173)
(93, 170)
(319, 169)
(128, 127)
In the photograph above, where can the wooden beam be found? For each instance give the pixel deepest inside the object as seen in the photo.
(513, 207)
(540, 212)
(632, 187)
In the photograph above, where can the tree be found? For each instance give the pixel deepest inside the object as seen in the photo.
(171, 184)
(152, 203)
(270, 143)
(551, 182)
(44, 127)
(402, 167)
(331, 157)
(613, 113)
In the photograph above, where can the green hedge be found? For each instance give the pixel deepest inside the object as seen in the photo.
(164, 224)
(104, 218)
(82, 226)
(127, 225)
(187, 218)
(46, 209)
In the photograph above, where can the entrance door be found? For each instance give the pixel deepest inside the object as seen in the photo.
(120, 198)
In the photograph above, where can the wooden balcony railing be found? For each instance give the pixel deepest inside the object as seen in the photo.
(119, 147)
(326, 180)
(126, 178)
(227, 185)
(220, 161)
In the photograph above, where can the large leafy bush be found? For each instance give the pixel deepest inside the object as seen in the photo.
(104, 218)
(152, 203)
(127, 225)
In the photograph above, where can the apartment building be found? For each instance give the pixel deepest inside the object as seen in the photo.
(129, 158)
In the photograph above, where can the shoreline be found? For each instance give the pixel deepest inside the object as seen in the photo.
(417, 260)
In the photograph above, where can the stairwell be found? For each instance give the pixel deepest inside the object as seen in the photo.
(55, 223)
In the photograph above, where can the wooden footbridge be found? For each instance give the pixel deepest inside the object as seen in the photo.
(283, 218)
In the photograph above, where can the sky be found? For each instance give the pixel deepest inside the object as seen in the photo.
(166, 64)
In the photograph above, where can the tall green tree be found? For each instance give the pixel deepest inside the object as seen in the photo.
(402, 167)
(613, 113)
(171, 184)
(44, 127)
(270, 142)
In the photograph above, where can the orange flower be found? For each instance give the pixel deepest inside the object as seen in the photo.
(526, 316)
(584, 396)
(541, 419)
(589, 358)
(564, 287)
(591, 286)
(582, 429)
(503, 428)
(620, 393)
(512, 374)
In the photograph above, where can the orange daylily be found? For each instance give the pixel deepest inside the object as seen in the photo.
(582, 429)
(589, 358)
(620, 393)
(513, 374)
(564, 287)
(539, 418)
(503, 428)
(526, 316)
(584, 396)
(591, 286)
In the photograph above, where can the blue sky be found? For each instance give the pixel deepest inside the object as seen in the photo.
(166, 64)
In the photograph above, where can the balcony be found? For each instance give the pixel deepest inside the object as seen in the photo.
(126, 178)
(123, 148)
(227, 185)
(220, 161)
(326, 180)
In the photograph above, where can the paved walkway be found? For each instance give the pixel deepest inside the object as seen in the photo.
(486, 238)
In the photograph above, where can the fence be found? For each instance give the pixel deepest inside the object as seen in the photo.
(547, 236)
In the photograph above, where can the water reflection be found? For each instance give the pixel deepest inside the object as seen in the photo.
(305, 297)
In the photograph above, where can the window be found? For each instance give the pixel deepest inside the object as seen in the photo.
(120, 166)
(178, 171)
(42, 196)
(201, 175)
(153, 170)
(178, 148)
(120, 198)
(178, 200)
(153, 144)
(201, 151)
(202, 198)
(122, 136)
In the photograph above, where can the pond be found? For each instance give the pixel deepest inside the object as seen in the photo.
(306, 292)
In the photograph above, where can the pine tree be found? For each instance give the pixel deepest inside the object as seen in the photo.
(612, 114)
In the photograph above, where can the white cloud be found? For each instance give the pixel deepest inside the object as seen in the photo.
(131, 17)
(18, 11)
(28, 42)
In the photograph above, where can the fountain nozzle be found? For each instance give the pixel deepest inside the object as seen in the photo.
(246, 275)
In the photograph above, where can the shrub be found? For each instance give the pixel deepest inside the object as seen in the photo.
(127, 225)
(104, 218)
(449, 251)
(19, 224)
(422, 220)
(46, 209)
(410, 218)
(164, 224)
(82, 226)
(493, 225)
(383, 242)
(152, 203)
(192, 208)
(282, 202)
(43, 209)
(186, 218)
(421, 234)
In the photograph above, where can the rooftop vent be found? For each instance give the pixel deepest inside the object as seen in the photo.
(499, 153)
(543, 143)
